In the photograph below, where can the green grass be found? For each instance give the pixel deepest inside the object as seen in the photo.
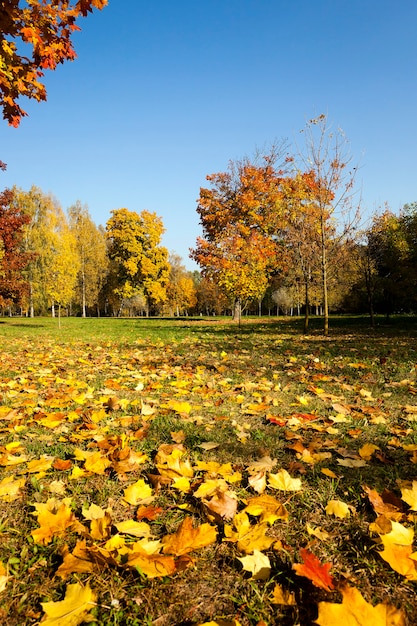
(233, 379)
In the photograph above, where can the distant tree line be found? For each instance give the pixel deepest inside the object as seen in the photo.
(281, 235)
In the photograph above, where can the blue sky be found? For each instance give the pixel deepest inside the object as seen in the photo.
(164, 93)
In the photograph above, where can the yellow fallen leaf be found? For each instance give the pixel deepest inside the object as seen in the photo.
(138, 493)
(187, 538)
(410, 496)
(337, 508)
(400, 558)
(281, 596)
(258, 564)
(267, 508)
(97, 463)
(367, 450)
(40, 465)
(71, 611)
(248, 537)
(328, 472)
(355, 611)
(317, 532)
(3, 577)
(399, 534)
(136, 529)
(283, 481)
(10, 488)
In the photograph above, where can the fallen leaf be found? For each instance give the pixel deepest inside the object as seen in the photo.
(187, 538)
(314, 570)
(282, 597)
(283, 481)
(258, 564)
(337, 508)
(355, 611)
(73, 609)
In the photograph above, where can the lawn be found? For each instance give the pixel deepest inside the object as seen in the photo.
(173, 472)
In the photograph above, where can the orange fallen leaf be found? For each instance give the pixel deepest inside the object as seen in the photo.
(314, 570)
(187, 538)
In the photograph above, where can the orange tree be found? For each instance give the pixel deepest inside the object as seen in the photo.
(45, 29)
(239, 214)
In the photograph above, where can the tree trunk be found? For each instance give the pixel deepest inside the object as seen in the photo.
(307, 310)
(237, 311)
(324, 278)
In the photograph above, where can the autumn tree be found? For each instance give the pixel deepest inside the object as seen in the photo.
(13, 259)
(35, 35)
(326, 158)
(92, 253)
(54, 263)
(180, 290)
(239, 214)
(138, 261)
(388, 248)
(300, 231)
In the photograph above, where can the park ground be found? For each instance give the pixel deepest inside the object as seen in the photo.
(167, 472)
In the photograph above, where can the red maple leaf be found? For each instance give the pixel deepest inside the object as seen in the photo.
(314, 570)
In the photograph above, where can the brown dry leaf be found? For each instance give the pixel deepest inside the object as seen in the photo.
(355, 611)
(381, 507)
(222, 504)
(187, 538)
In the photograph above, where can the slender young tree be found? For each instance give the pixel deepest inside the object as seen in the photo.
(326, 156)
(92, 253)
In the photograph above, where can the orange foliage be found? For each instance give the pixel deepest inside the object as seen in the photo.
(47, 28)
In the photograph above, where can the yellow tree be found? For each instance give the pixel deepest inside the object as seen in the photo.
(37, 242)
(52, 250)
(139, 263)
(181, 291)
(64, 268)
(92, 253)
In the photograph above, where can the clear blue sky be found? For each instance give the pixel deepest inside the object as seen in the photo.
(164, 93)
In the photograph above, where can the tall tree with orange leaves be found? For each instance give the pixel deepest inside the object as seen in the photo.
(45, 28)
(239, 214)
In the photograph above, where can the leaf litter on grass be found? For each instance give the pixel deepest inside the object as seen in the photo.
(148, 467)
